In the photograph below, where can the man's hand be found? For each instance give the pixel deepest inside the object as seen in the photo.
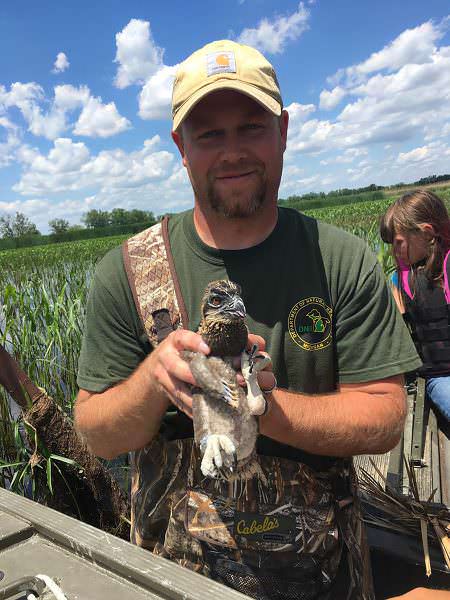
(266, 378)
(168, 370)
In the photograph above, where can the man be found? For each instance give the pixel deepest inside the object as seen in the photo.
(316, 300)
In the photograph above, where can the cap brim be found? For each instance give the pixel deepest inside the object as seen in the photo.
(267, 101)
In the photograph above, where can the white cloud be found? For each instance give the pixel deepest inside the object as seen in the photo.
(155, 98)
(437, 131)
(271, 36)
(61, 63)
(26, 97)
(9, 141)
(329, 100)
(65, 157)
(423, 160)
(412, 46)
(100, 120)
(290, 171)
(69, 167)
(137, 54)
(293, 184)
(68, 97)
(141, 62)
(299, 112)
(29, 207)
(416, 155)
(96, 119)
(313, 136)
(20, 94)
(414, 100)
(7, 124)
(348, 156)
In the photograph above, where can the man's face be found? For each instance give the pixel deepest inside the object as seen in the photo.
(233, 151)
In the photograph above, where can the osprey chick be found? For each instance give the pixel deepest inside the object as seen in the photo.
(224, 415)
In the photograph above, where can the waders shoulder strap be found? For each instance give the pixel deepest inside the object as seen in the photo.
(153, 281)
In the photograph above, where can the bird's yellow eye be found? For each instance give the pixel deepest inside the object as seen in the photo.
(215, 301)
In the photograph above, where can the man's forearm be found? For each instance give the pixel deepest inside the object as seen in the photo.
(127, 416)
(349, 422)
(122, 418)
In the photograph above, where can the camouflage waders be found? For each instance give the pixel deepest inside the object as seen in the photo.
(279, 535)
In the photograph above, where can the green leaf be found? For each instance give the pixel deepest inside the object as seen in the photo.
(25, 469)
(49, 475)
(69, 461)
(14, 482)
(10, 465)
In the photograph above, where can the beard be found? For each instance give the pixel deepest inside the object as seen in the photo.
(237, 204)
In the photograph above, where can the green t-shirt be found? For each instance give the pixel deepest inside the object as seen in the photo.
(315, 293)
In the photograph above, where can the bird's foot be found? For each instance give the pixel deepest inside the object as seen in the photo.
(219, 455)
(252, 362)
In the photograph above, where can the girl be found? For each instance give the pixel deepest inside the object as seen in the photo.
(418, 227)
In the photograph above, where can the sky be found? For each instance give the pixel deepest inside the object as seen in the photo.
(85, 92)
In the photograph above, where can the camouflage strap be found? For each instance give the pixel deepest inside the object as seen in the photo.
(153, 280)
(157, 295)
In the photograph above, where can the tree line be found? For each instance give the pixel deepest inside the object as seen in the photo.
(20, 226)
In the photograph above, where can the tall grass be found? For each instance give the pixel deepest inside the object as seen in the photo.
(43, 293)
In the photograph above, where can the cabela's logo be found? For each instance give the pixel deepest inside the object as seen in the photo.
(310, 322)
(245, 528)
(276, 529)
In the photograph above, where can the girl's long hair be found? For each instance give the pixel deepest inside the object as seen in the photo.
(406, 215)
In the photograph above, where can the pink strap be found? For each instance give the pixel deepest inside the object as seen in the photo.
(404, 275)
(446, 288)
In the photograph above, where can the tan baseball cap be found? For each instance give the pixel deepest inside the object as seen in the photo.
(224, 65)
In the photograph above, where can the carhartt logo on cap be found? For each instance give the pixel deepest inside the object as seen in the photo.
(220, 62)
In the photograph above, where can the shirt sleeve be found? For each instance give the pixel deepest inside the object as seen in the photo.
(113, 342)
(371, 338)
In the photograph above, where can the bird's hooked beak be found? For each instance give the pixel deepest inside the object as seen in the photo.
(236, 308)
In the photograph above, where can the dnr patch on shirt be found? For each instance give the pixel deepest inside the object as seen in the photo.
(310, 324)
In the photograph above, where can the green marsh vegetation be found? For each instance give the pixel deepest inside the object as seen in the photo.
(43, 293)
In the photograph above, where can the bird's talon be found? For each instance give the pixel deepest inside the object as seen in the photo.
(252, 356)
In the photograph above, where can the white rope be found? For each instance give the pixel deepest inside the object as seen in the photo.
(55, 589)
